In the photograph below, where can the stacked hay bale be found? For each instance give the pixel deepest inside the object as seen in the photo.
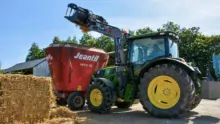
(25, 98)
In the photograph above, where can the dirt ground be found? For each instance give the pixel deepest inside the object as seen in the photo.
(208, 112)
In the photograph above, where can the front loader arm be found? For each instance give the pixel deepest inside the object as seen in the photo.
(91, 22)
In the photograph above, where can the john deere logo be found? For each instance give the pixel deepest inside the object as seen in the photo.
(87, 57)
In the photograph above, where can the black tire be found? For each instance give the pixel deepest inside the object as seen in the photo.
(107, 97)
(123, 105)
(186, 86)
(76, 101)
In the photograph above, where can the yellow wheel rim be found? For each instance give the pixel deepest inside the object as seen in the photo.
(163, 92)
(96, 97)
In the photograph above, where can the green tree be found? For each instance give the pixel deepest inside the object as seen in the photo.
(132, 33)
(35, 53)
(144, 31)
(56, 39)
(170, 26)
(71, 40)
(87, 40)
(188, 38)
(105, 43)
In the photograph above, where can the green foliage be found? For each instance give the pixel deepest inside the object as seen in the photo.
(144, 31)
(105, 43)
(56, 39)
(170, 26)
(71, 40)
(35, 53)
(87, 40)
(132, 33)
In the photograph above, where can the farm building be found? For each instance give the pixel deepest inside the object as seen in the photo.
(37, 67)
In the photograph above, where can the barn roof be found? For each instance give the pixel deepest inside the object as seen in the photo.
(24, 65)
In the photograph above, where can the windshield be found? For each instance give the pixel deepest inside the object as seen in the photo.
(146, 49)
(173, 48)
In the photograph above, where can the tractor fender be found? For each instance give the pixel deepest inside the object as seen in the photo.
(107, 82)
(110, 84)
(192, 71)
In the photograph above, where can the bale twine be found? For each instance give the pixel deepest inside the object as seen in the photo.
(25, 98)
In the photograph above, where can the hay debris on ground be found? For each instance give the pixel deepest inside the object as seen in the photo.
(25, 98)
(62, 115)
(60, 121)
(62, 112)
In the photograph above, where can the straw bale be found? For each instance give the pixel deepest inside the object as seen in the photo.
(25, 98)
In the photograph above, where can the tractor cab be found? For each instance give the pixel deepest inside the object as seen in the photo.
(151, 46)
(148, 47)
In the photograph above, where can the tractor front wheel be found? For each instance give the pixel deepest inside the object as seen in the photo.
(99, 97)
(166, 91)
(76, 101)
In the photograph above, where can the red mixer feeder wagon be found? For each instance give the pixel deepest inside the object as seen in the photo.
(71, 67)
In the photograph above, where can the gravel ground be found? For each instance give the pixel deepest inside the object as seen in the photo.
(208, 112)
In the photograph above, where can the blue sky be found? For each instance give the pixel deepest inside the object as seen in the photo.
(24, 22)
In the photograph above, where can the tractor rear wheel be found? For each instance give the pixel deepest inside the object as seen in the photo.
(123, 105)
(166, 91)
(99, 97)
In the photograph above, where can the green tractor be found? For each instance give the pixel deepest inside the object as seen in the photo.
(152, 72)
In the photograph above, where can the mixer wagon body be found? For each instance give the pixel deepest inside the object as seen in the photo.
(71, 67)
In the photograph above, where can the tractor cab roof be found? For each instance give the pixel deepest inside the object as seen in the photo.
(171, 34)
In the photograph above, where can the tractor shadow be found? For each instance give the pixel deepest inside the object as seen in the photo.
(129, 116)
